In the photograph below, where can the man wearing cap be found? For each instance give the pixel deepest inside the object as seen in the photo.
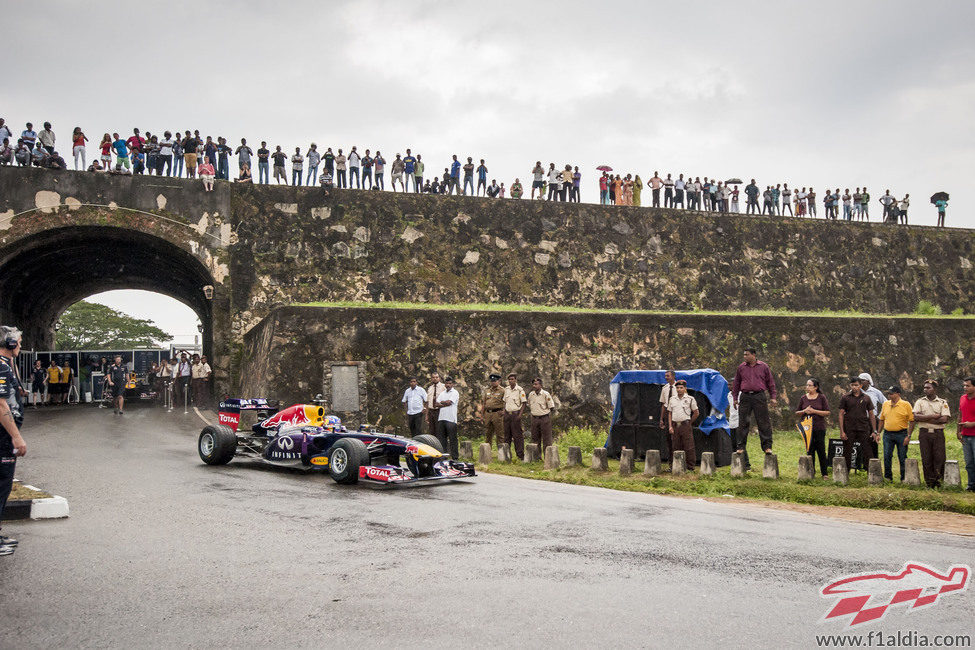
(415, 399)
(491, 410)
(877, 397)
(433, 392)
(541, 405)
(931, 412)
(446, 404)
(681, 412)
(752, 379)
(514, 406)
(12, 443)
(897, 423)
(857, 423)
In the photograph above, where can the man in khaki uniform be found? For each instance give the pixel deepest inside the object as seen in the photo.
(434, 390)
(514, 407)
(666, 393)
(541, 405)
(681, 412)
(491, 410)
(931, 412)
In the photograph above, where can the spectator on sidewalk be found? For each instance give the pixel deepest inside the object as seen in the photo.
(541, 405)
(931, 413)
(753, 379)
(514, 407)
(415, 400)
(813, 404)
(491, 410)
(966, 429)
(434, 390)
(897, 425)
(447, 417)
(681, 413)
(858, 424)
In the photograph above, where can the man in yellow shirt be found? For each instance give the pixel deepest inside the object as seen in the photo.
(53, 382)
(897, 424)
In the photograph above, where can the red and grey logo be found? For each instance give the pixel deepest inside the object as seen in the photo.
(867, 597)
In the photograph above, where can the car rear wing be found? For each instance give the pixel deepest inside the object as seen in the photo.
(229, 410)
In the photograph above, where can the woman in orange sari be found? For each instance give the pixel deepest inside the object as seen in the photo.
(628, 191)
(618, 190)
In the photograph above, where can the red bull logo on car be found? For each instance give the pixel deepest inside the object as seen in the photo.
(868, 597)
(296, 415)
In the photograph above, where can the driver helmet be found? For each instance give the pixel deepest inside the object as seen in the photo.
(333, 421)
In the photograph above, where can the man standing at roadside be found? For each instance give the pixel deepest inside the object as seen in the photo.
(12, 443)
(681, 413)
(514, 407)
(878, 399)
(434, 390)
(857, 424)
(966, 429)
(115, 379)
(415, 399)
(447, 418)
(752, 379)
(541, 405)
(897, 424)
(491, 408)
(932, 412)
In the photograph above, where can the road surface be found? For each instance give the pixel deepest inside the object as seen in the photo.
(161, 550)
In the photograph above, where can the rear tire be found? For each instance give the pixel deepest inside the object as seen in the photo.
(433, 441)
(345, 459)
(217, 444)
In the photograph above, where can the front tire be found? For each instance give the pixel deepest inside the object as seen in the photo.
(345, 459)
(432, 441)
(217, 444)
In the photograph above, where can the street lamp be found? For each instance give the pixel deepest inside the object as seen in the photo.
(208, 292)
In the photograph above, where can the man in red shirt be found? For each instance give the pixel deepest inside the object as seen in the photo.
(136, 142)
(966, 429)
(752, 379)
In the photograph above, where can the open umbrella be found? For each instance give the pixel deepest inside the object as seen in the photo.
(733, 181)
(939, 196)
(605, 168)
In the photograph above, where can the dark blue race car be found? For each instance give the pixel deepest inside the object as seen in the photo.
(302, 436)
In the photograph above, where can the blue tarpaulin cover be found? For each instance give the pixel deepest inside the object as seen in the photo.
(704, 380)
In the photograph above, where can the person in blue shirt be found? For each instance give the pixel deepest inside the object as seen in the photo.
(942, 205)
(454, 176)
(223, 158)
(121, 152)
(409, 163)
(481, 177)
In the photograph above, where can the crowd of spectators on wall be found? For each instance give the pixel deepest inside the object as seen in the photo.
(192, 155)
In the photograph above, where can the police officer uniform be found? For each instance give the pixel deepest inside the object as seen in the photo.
(493, 404)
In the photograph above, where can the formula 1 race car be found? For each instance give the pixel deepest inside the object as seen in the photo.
(303, 437)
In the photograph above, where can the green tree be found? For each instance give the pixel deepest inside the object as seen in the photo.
(90, 326)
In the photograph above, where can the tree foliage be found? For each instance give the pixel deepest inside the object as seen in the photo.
(90, 326)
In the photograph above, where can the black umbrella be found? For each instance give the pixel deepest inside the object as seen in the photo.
(733, 181)
(939, 196)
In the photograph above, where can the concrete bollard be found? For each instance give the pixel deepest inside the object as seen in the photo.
(841, 475)
(626, 462)
(875, 472)
(707, 463)
(504, 453)
(805, 468)
(738, 464)
(912, 476)
(651, 466)
(599, 462)
(532, 453)
(678, 463)
(575, 457)
(466, 450)
(551, 457)
(952, 474)
(771, 468)
(484, 454)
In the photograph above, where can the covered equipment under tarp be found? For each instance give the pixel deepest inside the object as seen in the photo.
(636, 413)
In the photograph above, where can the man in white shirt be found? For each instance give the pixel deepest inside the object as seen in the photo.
(668, 192)
(679, 186)
(182, 376)
(415, 399)
(200, 370)
(434, 390)
(447, 419)
(354, 162)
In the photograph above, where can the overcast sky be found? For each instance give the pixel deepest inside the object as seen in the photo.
(828, 94)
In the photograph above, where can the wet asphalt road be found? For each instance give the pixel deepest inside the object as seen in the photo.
(161, 550)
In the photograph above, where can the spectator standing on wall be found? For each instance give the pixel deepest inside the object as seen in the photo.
(565, 194)
(447, 418)
(603, 189)
(207, 174)
(514, 407)
(409, 167)
(5, 131)
(888, 202)
(966, 429)
(576, 185)
(354, 161)
(753, 380)
(46, 136)
(29, 136)
(813, 404)
(177, 156)
(931, 413)
(858, 424)
(554, 181)
(751, 196)
(468, 176)
(190, 145)
(78, 140)
(491, 410)
(942, 205)
(434, 390)
(380, 165)
(223, 154)
(340, 171)
(243, 153)
(538, 180)
(679, 186)
(681, 413)
(164, 157)
(897, 424)
(865, 204)
(482, 172)
(367, 162)
(314, 158)
(105, 146)
(786, 199)
(541, 405)
(517, 191)
(396, 170)
(415, 401)
(811, 198)
(122, 154)
(280, 159)
(263, 156)
(904, 204)
(655, 184)
(418, 168)
(297, 167)
(847, 205)
(454, 176)
(328, 158)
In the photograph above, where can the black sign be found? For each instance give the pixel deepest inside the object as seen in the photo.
(856, 458)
